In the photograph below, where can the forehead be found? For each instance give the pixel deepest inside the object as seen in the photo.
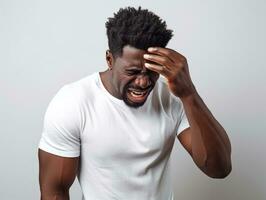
(132, 56)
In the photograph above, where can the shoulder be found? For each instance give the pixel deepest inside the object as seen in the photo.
(78, 91)
(67, 108)
(71, 97)
(84, 84)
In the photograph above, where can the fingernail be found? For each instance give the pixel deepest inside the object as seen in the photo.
(146, 56)
(147, 65)
(152, 49)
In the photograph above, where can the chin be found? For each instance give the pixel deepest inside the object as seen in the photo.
(134, 104)
(135, 100)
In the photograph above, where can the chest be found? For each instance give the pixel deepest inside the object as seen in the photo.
(115, 135)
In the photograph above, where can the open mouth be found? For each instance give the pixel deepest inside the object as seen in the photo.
(138, 95)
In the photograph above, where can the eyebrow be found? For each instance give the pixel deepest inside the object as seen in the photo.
(133, 67)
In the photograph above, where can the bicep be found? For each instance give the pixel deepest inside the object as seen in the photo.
(56, 173)
(185, 139)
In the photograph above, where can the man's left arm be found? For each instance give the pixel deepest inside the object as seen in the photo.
(205, 140)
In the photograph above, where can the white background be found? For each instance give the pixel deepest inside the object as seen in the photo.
(46, 44)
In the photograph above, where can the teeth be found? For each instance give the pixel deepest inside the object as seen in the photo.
(137, 94)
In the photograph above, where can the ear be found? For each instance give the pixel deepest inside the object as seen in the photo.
(109, 59)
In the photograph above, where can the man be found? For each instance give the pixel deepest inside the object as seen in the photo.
(115, 129)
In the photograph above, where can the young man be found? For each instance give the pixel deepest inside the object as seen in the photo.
(115, 129)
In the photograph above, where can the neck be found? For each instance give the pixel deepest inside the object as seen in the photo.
(106, 78)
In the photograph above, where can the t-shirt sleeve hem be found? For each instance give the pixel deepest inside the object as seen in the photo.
(182, 127)
(58, 152)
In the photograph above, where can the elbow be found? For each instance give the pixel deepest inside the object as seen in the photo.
(217, 169)
(220, 174)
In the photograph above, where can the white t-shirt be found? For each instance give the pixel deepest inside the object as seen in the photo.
(124, 151)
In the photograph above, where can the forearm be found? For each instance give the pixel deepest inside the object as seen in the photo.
(211, 148)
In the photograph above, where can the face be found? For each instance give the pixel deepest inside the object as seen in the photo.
(131, 81)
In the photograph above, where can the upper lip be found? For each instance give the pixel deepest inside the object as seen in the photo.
(140, 90)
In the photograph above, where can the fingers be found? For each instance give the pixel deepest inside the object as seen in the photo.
(166, 62)
(157, 68)
(157, 59)
(169, 53)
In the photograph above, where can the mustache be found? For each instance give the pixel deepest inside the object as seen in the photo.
(136, 87)
(140, 88)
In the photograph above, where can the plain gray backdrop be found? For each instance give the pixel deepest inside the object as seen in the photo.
(46, 44)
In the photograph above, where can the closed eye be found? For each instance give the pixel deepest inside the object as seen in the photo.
(133, 72)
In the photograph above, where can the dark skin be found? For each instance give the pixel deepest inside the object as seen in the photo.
(56, 175)
(206, 140)
(127, 72)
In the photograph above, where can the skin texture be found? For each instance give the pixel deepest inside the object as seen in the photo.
(128, 71)
(206, 140)
(56, 175)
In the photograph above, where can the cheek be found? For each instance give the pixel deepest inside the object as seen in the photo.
(154, 77)
(126, 82)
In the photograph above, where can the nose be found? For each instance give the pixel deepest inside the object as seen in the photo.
(143, 81)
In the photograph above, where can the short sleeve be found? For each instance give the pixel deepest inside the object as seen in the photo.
(179, 116)
(62, 125)
(183, 122)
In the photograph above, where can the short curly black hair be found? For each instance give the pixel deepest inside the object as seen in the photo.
(139, 28)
